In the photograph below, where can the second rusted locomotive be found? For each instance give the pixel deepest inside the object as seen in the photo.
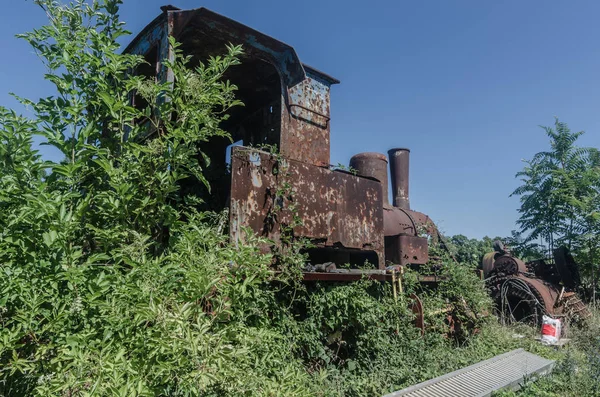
(346, 215)
(526, 291)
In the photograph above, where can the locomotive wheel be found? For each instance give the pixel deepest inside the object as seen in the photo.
(519, 302)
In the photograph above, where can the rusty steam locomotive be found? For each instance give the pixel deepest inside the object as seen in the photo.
(526, 291)
(345, 215)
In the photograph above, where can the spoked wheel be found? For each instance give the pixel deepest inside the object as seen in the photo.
(520, 302)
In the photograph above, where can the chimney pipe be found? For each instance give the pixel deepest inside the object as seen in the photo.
(372, 165)
(399, 162)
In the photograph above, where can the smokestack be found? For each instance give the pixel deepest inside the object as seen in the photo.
(399, 162)
(372, 165)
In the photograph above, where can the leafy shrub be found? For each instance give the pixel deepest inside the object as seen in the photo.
(112, 282)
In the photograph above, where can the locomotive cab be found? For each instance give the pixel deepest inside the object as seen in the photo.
(286, 105)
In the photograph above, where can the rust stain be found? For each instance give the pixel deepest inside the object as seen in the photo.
(337, 209)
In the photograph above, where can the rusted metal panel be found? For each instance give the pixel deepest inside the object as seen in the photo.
(527, 291)
(552, 301)
(305, 121)
(337, 209)
(546, 291)
(508, 264)
(226, 30)
(305, 92)
(399, 166)
(397, 221)
(372, 165)
(406, 250)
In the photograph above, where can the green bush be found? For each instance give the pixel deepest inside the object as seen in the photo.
(113, 283)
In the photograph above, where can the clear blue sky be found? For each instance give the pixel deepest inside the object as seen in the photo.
(463, 84)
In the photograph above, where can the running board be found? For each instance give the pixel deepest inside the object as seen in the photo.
(506, 371)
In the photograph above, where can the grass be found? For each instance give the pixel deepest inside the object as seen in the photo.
(577, 369)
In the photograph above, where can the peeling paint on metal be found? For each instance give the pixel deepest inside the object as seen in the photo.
(345, 211)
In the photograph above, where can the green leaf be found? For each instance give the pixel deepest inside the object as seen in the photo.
(49, 237)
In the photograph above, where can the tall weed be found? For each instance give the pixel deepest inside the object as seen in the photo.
(112, 283)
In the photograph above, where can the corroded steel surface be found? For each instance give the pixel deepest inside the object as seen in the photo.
(399, 167)
(522, 298)
(303, 104)
(305, 126)
(526, 295)
(573, 306)
(337, 209)
(508, 265)
(403, 230)
(545, 292)
(397, 221)
(373, 165)
(406, 250)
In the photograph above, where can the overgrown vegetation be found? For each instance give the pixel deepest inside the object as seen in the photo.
(577, 369)
(560, 205)
(113, 283)
(560, 200)
(470, 251)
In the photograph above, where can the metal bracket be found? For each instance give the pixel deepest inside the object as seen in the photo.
(327, 118)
